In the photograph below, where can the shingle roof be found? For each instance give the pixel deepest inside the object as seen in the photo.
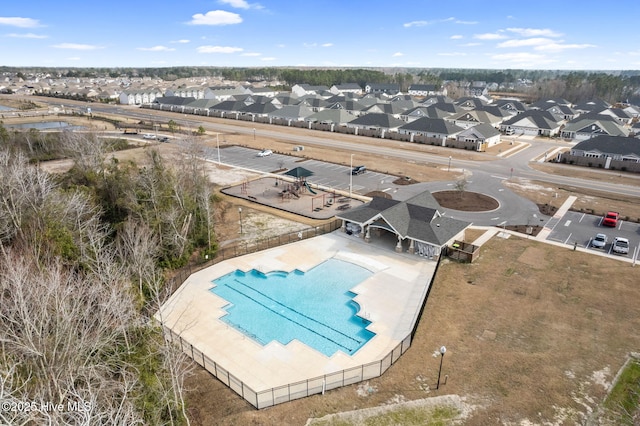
(619, 145)
(416, 218)
(432, 125)
(381, 120)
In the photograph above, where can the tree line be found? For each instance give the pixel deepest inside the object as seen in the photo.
(83, 257)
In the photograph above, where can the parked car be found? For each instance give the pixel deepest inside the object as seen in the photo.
(265, 153)
(599, 241)
(620, 245)
(358, 170)
(163, 139)
(611, 219)
(148, 136)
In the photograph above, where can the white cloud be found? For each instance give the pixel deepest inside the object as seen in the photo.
(269, 58)
(239, 4)
(458, 21)
(436, 21)
(523, 59)
(397, 54)
(415, 24)
(327, 45)
(470, 44)
(534, 32)
(556, 47)
(456, 37)
(19, 22)
(73, 58)
(537, 41)
(251, 54)
(76, 46)
(489, 36)
(182, 41)
(157, 49)
(218, 49)
(216, 17)
(27, 35)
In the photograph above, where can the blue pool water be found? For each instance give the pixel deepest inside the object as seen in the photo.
(315, 307)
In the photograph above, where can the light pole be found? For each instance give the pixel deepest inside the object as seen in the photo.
(218, 144)
(449, 168)
(442, 352)
(254, 133)
(351, 176)
(240, 213)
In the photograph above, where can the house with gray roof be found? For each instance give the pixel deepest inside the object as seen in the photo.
(339, 89)
(533, 122)
(427, 90)
(417, 225)
(481, 136)
(511, 106)
(338, 117)
(307, 89)
(609, 152)
(292, 113)
(472, 118)
(389, 89)
(591, 125)
(376, 121)
(434, 128)
(619, 114)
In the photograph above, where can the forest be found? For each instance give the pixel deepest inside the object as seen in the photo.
(83, 263)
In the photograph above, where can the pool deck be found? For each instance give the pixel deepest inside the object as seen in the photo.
(391, 299)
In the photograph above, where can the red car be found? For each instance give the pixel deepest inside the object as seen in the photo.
(611, 219)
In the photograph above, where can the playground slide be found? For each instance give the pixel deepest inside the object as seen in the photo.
(309, 188)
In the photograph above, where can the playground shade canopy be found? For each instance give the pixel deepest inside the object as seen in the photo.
(299, 172)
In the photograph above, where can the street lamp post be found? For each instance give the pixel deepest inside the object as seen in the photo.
(442, 352)
(218, 144)
(240, 213)
(449, 168)
(351, 176)
(254, 133)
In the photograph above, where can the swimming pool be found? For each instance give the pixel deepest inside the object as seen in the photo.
(315, 307)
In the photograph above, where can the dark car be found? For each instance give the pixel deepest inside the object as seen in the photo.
(358, 170)
(163, 139)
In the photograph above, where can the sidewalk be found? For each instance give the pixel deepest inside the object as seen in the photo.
(551, 224)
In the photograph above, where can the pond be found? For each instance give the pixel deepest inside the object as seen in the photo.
(44, 125)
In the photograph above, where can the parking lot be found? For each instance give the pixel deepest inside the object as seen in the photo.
(580, 228)
(330, 175)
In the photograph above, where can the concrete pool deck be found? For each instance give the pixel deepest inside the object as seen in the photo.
(391, 299)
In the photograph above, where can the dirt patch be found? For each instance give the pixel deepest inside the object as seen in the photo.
(379, 194)
(533, 256)
(466, 201)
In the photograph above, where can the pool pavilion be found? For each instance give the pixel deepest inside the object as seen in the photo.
(417, 224)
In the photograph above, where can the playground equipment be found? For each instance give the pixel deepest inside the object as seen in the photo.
(309, 187)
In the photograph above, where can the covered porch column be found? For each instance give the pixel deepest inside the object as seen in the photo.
(399, 245)
(412, 248)
(367, 234)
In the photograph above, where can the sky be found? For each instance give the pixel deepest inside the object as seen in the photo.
(497, 34)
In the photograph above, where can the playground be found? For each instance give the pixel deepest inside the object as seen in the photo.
(295, 195)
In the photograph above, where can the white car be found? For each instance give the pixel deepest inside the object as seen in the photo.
(620, 245)
(599, 241)
(148, 136)
(265, 153)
